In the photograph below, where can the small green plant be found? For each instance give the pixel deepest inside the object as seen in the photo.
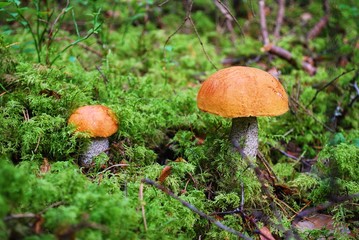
(43, 23)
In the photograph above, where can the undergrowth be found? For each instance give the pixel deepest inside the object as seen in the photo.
(311, 156)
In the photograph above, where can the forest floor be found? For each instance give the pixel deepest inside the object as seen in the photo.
(170, 170)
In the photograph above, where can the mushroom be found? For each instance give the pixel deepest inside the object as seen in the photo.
(243, 94)
(100, 123)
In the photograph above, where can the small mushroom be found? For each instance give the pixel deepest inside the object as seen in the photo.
(100, 123)
(243, 94)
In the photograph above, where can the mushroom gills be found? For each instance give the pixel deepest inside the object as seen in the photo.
(244, 136)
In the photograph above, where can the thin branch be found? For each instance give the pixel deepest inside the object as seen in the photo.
(20, 216)
(93, 31)
(41, 37)
(140, 198)
(224, 10)
(326, 7)
(113, 166)
(267, 165)
(26, 24)
(194, 209)
(227, 13)
(105, 79)
(174, 33)
(244, 217)
(300, 210)
(319, 26)
(63, 11)
(317, 29)
(280, 17)
(200, 41)
(163, 3)
(327, 85)
(341, 111)
(356, 88)
(228, 18)
(37, 144)
(52, 32)
(324, 206)
(286, 55)
(354, 84)
(311, 114)
(31, 215)
(242, 196)
(55, 204)
(263, 22)
(278, 51)
(309, 68)
(288, 233)
(188, 18)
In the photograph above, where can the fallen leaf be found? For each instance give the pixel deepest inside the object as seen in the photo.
(38, 224)
(320, 221)
(180, 159)
(166, 171)
(45, 166)
(317, 221)
(50, 93)
(265, 234)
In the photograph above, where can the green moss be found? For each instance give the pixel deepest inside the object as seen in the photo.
(305, 182)
(7, 61)
(341, 161)
(284, 171)
(339, 169)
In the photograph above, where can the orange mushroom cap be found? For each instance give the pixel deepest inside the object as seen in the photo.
(242, 92)
(97, 120)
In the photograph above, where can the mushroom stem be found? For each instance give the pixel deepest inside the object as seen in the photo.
(244, 135)
(97, 146)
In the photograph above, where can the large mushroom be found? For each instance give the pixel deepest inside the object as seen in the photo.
(243, 94)
(100, 123)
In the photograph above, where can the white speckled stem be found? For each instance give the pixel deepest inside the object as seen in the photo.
(97, 146)
(244, 135)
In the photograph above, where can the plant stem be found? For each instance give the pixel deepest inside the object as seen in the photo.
(74, 43)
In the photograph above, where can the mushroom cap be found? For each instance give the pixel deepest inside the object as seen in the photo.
(97, 120)
(242, 92)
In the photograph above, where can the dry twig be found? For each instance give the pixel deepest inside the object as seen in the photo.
(319, 26)
(115, 165)
(280, 17)
(317, 29)
(278, 51)
(263, 22)
(105, 79)
(310, 113)
(327, 85)
(321, 207)
(288, 233)
(229, 17)
(140, 197)
(194, 209)
(189, 18)
(356, 97)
